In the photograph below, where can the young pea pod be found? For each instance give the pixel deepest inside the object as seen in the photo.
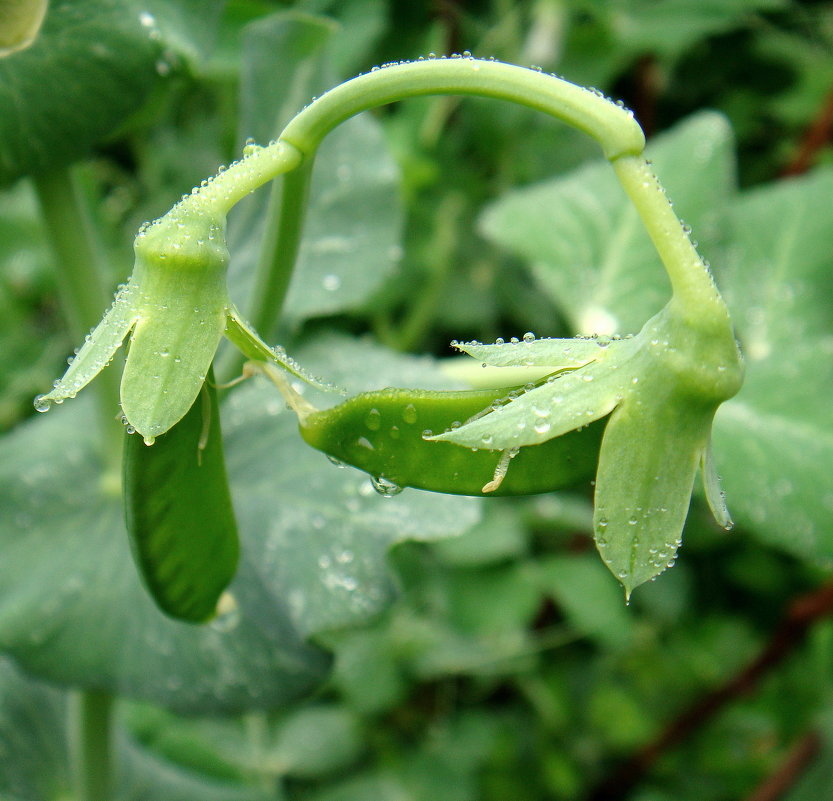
(178, 511)
(383, 433)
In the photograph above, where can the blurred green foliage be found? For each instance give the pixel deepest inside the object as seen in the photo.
(501, 663)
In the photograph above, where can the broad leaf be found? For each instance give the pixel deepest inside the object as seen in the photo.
(314, 543)
(584, 240)
(33, 758)
(772, 443)
(35, 748)
(93, 64)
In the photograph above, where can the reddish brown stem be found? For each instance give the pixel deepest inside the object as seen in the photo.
(801, 615)
(817, 136)
(797, 760)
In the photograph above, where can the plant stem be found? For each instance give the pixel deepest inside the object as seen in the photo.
(279, 250)
(611, 125)
(696, 298)
(81, 285)
(79, 281)
(691, 281)
(90, 744)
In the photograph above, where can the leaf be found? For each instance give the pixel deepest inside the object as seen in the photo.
(178, 512)
(315, 741)
(32, 751)
(669, 28)
(314, 544)
(35, 748)
(582, 588)
(354, 217)
(93, 64)
(585, 243)
(772, 443)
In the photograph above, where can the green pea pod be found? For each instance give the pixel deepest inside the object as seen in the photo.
(178, 511)
(383, 432)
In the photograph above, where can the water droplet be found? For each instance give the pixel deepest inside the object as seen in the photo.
(331, 282)
(387, 489)
(542, 426)
(409, 414)
(373, 420)
(41, 404)
(336, 462)
(529, 337)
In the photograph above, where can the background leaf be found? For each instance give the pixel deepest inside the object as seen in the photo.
(585, 243)
(314, 542)
(773, 444)
(92, 66)
(354, 214)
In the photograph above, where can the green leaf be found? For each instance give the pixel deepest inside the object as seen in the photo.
(178, 512)
(314, 545)
(772, 443)
(315, 741)
(354, 213)
(92, 65)
(34, 722)
(589, 599)
(32, 751)
(670, 27)
(583, 238)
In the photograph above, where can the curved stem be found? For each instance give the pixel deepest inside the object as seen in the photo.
(611, 125)
(691, 281)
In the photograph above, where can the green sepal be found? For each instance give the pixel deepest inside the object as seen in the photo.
(182, 318)
(98, 349)
(650, 453)
(563, 402)
(546, 352)
(241, 334)
(20, 21)
(179, 514)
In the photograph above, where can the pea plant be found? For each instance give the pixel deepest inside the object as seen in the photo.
(228, 611)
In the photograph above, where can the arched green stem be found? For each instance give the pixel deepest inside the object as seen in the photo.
(612, 126)
(694, 290)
